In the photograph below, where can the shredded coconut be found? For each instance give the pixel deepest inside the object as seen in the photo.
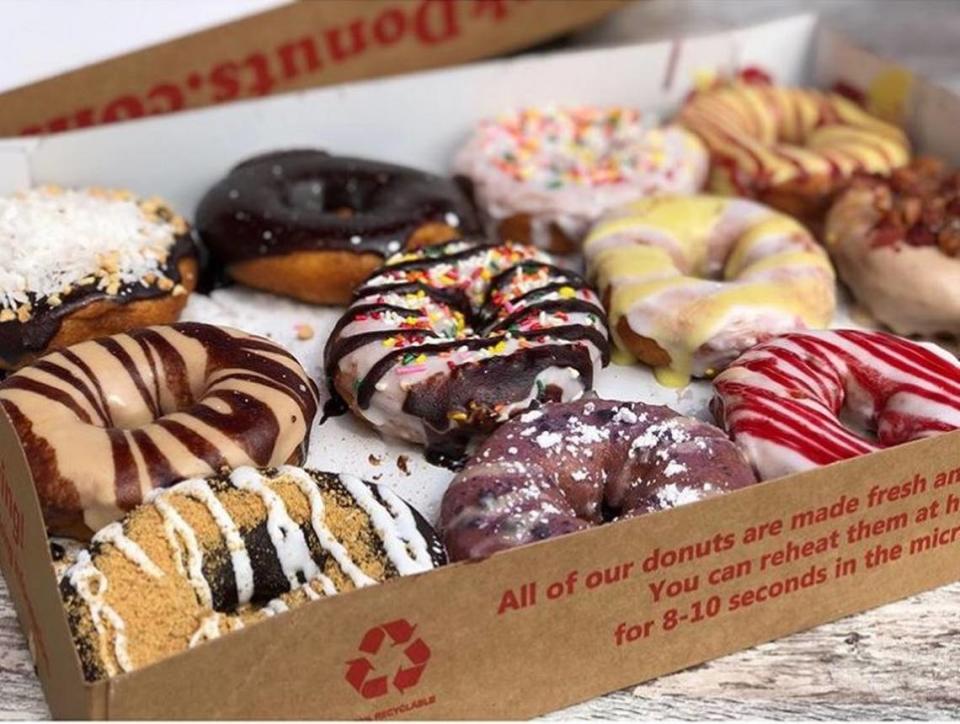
(52, 240)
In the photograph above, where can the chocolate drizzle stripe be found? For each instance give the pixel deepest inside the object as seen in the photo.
(567, 306)
(102, 404)
(62, 373)
(48, 391)
(133, 372)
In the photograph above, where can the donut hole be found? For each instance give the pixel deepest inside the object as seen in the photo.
(344, 198)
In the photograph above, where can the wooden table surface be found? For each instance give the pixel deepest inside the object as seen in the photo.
(896, 662)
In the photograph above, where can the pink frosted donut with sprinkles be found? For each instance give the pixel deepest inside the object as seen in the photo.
(544, 175)
(782, 401)
(445, 343)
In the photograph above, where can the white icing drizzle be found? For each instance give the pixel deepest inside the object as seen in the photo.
(91, 585)
(208, 630)
(199, 490)
(177, 529)
(114, 535)
(327, 540)
(394, 533)
(287, 538)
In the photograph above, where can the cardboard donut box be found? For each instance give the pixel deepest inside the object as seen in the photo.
(547, 625)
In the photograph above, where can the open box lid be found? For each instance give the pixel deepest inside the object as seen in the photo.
(288, 45)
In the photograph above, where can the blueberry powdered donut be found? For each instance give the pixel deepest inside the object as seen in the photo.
(213, 555)
(568, 467)
(84, 263)
(310, 225)
(445, 343)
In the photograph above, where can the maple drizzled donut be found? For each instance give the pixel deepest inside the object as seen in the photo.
(567, 467)
(544, 175)
(896, 243)
(105, 421)
(445, 343)
(791, 148)
(210, 556)
(312, 226)
(83, 263)
(690, 282)
(781, 400)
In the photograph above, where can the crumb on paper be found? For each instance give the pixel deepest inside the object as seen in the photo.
(403, 464)
(304, 331)
(374, 459)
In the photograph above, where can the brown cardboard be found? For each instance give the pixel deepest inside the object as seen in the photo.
(304, 44)
(493, 653)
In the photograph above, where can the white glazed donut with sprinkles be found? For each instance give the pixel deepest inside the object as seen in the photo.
(781, 401)
(447, 342)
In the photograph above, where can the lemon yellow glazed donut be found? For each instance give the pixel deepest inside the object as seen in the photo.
(789, 147)
(690, 282)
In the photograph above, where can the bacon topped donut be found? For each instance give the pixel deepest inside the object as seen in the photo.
(544, 175)
(781, 401)
(105, 421)
(447, 342)
(789, 147)
(882, 232)
(311, 225)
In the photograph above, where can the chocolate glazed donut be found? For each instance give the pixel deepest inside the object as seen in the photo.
(312, 226)
(571, 466)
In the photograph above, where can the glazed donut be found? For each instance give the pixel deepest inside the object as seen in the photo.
(312, 226)
(791, 148)
(85, 263)
(544, 175)
(780, 401)
(567, 467)
(896, 243)
(210, 556)
(445, 343)
(690, 282)
(105, 421)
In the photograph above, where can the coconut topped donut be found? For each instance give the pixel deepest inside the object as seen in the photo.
(86, 262)
(883, 231)
(545, 174)
(213, 555)
(567, 467)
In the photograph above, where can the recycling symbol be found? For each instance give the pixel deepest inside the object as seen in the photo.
(361, 672)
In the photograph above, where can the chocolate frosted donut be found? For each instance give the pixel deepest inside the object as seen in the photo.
(312, 226)
(210, 556)
(85, 263)
(567, 467)
(445, 343)
(105, 421)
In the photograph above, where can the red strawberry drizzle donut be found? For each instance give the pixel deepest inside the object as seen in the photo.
(782, 401)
